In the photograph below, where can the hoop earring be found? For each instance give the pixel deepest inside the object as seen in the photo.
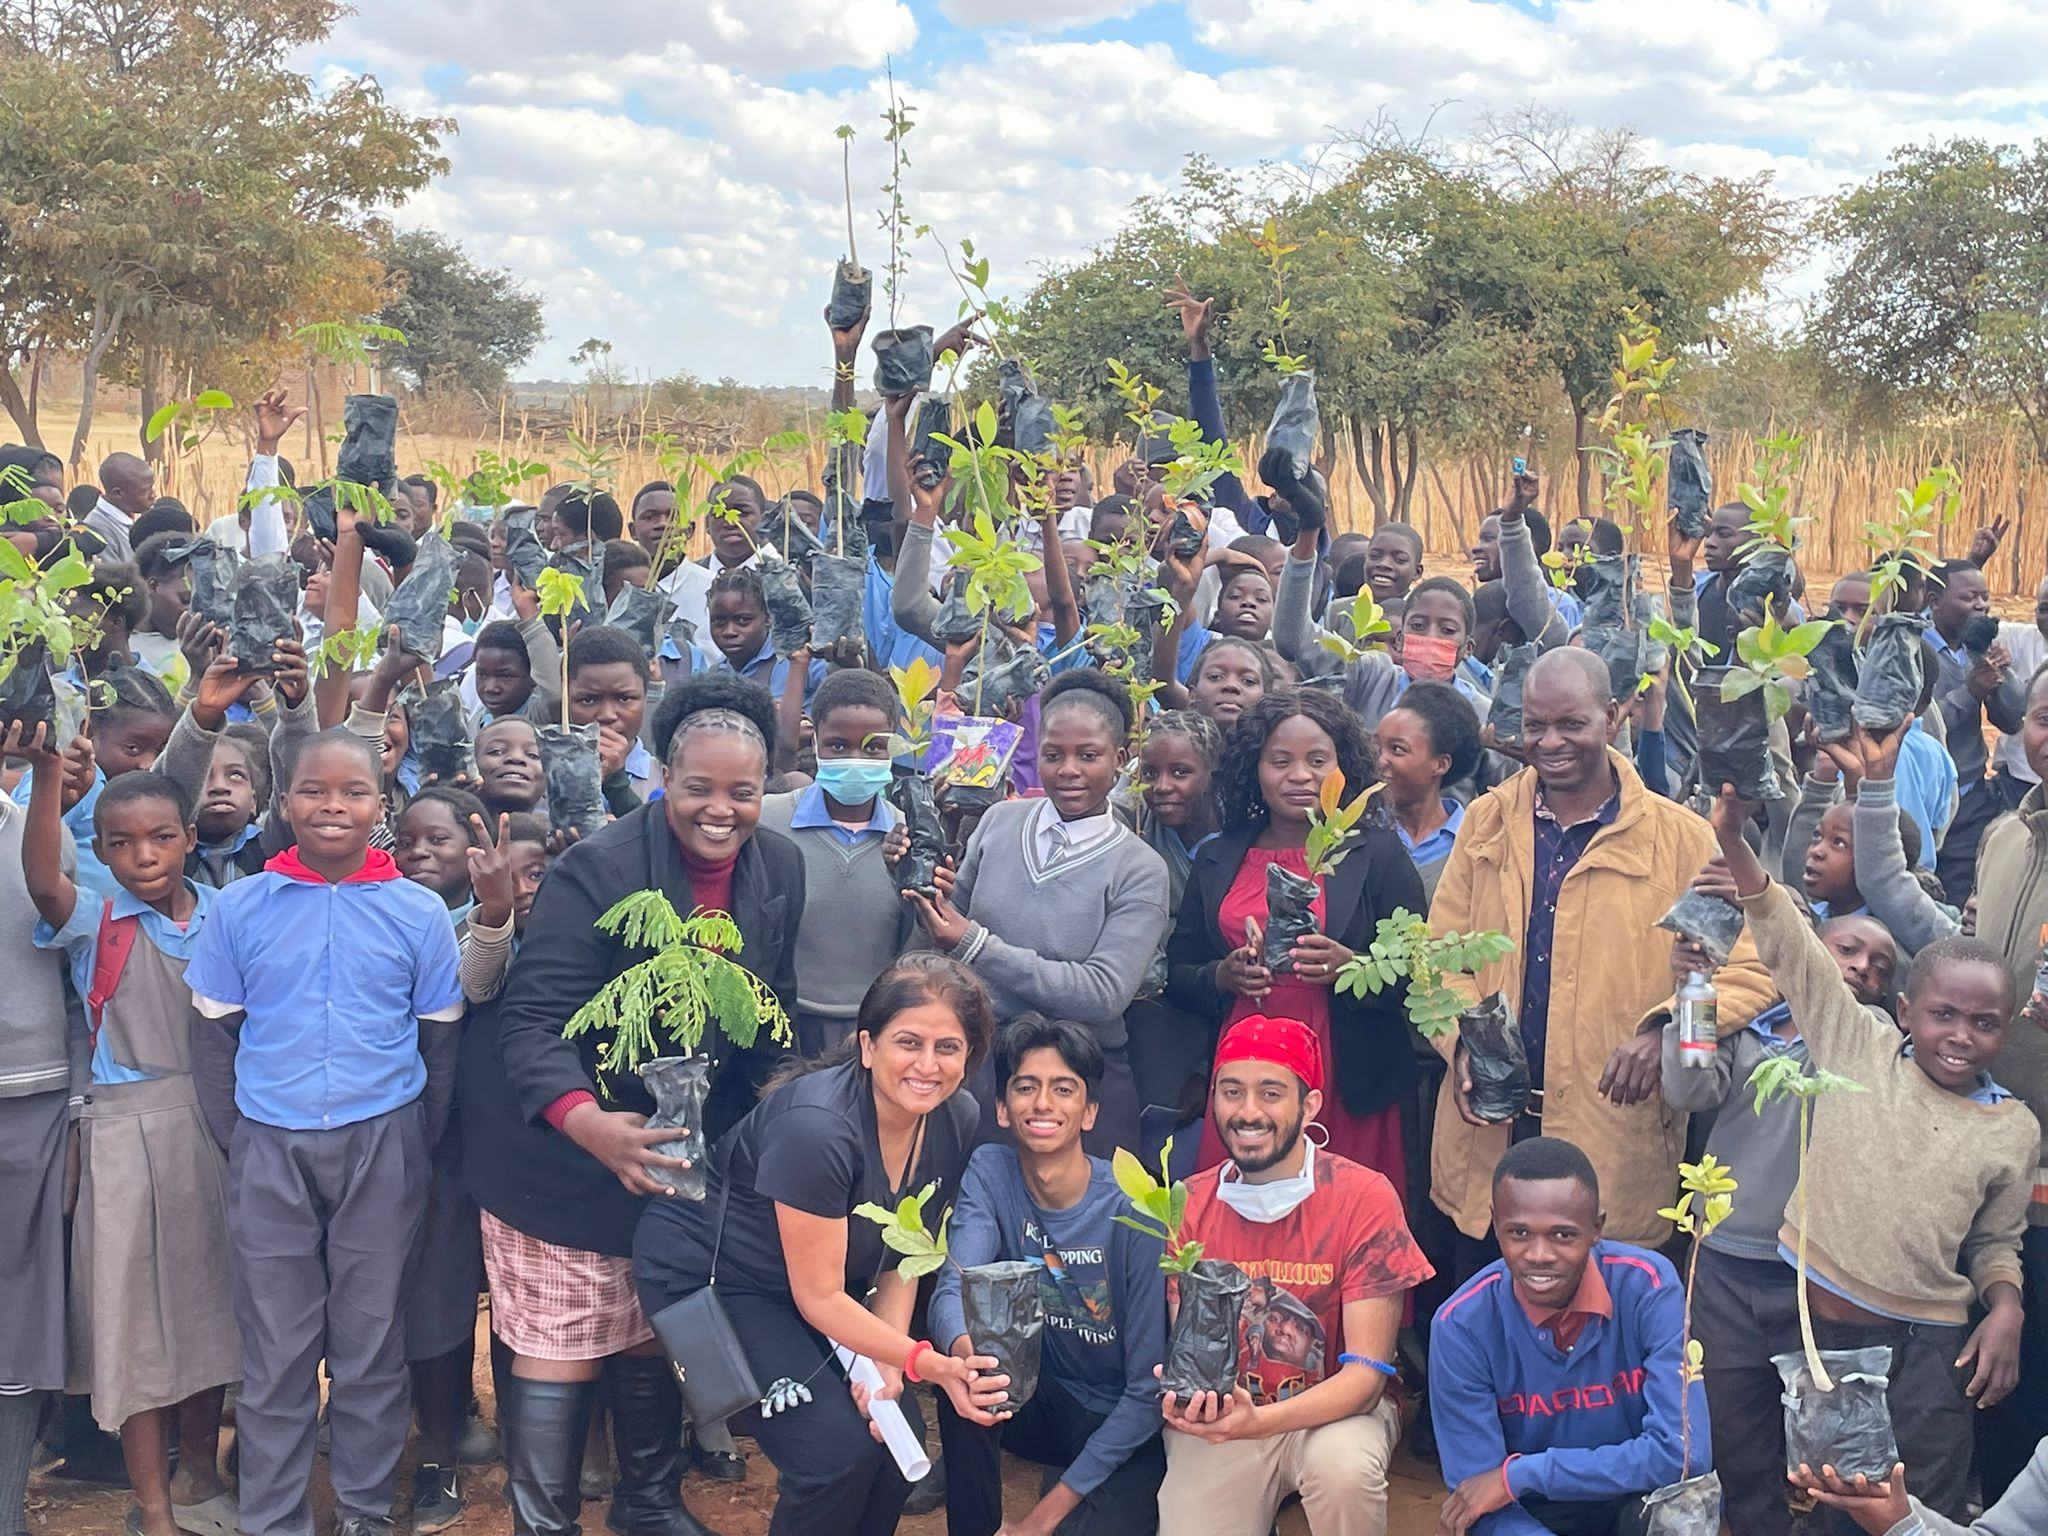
(1317, 1125)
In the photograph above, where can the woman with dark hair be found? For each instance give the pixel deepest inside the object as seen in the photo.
(559, 1155)
(1058, 906)
(1428, 741)
(881, 1116)
(1278, 755)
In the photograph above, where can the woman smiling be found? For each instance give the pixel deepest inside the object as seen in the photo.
(880, 1117)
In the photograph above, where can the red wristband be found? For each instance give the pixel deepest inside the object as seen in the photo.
(1507, 1487)
(920, 1347)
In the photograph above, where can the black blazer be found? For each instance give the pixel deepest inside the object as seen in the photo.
(515, 1062)
(1371, 1036)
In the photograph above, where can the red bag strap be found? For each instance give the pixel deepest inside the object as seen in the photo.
(110, 958)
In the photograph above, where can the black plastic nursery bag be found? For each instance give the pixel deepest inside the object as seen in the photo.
(1510, 670)
(266, 611)
(640, 612)
(1711, 922)
(1850, 1428)
(1002, 674)
(853, 296)
(910, 794)
(1625, 649)
(955, 622)
(1831, 688)
(784, 528)
(1691, 482)
(789, 611)
(1690, 1508)
(1497, 1058)
(903, 361)
(568, 756)
(679, 1085)
(838, 588)
(419, 608)
(28, 694)
(1290, 915)
(440, 732)
(1891, 673)
(1735, 740)
(369, 447)
(1295, 422)
(1006, 1320)
(1202, 1342)
(1765, 582)
(211, 565)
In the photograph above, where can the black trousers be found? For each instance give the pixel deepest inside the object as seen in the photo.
(1955, 865)
(2008, 1433)
(1743, 1312)
(1608, 1517)
(1931, 1418)
(1050, 1430)
(834, 1475)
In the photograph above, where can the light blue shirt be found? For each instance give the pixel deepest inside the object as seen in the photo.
(809, 814)
(79, 938)
(893, 647)
(766, 668)
(1436, 846)
(1567, 606)
(334, 980)
(1926, 779)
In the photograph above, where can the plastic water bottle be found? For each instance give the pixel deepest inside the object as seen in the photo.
(1698, 1014)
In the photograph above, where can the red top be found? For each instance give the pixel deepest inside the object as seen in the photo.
(377, 865)
(1346, 1242)
(711, 891)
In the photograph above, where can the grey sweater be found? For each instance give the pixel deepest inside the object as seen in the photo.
(42, 1044)
(854, 921)
(1073, 943)
(1963, 714)
(1371, 685)
(1762, 1149)
(2022, 1512)
(1895, 898)
(188, 757)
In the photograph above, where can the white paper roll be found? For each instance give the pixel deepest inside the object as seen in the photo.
(887, 1414)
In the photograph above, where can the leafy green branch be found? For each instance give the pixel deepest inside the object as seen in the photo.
(904, 1231)
(687, 985)
(1354, 626)
(1404, 950)
(1161, 1204)
(1769, 496)
(196, 415)
(1773, 659)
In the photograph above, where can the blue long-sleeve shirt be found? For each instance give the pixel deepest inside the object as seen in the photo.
(1105, 1298)
(1205, 404)
(1598, 1421)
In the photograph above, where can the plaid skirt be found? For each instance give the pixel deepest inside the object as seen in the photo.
(554, 1303)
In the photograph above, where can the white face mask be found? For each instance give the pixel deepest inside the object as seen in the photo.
(1274, 1201)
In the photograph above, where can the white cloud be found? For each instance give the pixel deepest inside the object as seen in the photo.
(665, 171)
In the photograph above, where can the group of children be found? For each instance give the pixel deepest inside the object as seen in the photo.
(245, 1128)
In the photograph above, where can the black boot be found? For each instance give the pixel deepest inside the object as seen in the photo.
(647, 1437)
(544, 1423)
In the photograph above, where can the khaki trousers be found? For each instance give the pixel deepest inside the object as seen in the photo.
(1235, 1489)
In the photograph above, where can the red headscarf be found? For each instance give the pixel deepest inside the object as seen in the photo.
(1287, 1042)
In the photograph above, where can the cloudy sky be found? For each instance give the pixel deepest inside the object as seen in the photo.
(665, 171)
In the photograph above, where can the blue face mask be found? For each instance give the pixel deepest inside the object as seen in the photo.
(471, 626)
(853, 780)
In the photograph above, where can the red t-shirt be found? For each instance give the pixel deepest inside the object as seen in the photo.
(1347, 1242)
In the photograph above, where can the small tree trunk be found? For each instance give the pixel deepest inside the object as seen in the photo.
(106, 325)
(1583, 459)
(1406, 498)
(152, 397)
(1364, 468)
(23, 411)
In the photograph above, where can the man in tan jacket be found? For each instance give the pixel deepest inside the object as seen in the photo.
(1575, 860)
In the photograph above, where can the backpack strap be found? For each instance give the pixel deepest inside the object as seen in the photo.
(110, 958)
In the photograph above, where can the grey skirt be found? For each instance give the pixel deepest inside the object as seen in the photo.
(33, 1129)
(152, 1310)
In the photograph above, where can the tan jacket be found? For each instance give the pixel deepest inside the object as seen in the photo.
(1610, 978)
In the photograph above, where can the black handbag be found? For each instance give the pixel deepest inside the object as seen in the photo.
(703, 1347)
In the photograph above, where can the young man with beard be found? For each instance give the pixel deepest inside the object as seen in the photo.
(1555, 1372)
(1324, 1241)
(1093, 1423)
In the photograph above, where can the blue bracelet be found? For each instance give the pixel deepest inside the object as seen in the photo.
(1370, 1364)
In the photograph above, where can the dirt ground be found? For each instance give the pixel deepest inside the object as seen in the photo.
(59, 1507)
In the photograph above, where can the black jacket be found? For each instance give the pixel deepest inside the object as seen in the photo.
(1371, 1036)
(515, 1062)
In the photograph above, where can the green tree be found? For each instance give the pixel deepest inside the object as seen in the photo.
(1935, 299)
(466, 326)
(172, 197)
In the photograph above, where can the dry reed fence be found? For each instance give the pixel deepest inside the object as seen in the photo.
(1843, 484)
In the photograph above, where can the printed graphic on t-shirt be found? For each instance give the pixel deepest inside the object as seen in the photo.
(1074, 1288)
(1282, 1344)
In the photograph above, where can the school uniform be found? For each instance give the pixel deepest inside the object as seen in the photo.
(150, 1322)
(331, 1115)
(764, 667)
(445, 1271)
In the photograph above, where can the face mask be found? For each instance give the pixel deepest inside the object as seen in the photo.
(471, 626)
(1429, 658)
(1270, 1202)
(853, 780)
